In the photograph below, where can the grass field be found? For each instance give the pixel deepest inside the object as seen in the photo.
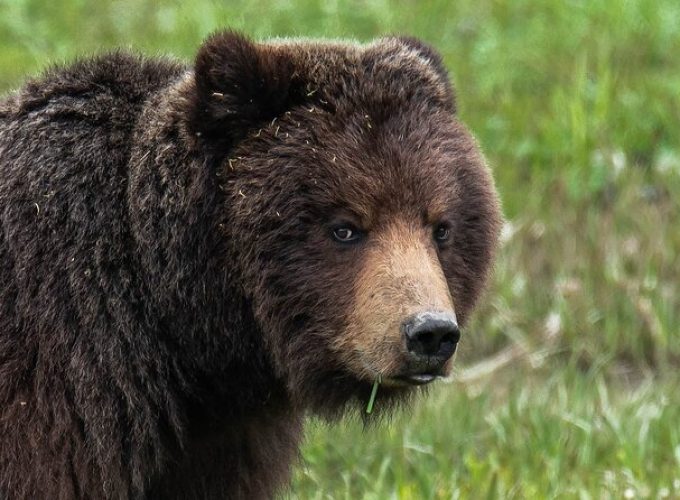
(568, 383)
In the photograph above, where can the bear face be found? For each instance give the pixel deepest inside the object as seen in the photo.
(358, 210)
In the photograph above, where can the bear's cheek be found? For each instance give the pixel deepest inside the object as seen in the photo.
(399, 277)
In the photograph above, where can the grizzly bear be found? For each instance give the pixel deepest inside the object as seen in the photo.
(193, 258)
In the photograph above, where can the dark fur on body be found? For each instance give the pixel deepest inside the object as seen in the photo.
(169, 293)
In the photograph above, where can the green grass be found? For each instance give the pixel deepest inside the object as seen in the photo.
(578, 109)
(531, 434)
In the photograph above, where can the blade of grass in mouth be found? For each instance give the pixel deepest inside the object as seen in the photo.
(374, 392)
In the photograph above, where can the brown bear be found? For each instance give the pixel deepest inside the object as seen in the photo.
(192, 258)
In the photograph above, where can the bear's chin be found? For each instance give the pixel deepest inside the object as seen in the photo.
(339, 394)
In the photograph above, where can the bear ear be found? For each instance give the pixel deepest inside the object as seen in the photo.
(238, 85)
(433, 59)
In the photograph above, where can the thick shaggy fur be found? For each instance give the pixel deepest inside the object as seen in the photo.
(170, 297)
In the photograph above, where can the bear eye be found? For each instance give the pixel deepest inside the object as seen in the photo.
(442, 233)
(346, 234)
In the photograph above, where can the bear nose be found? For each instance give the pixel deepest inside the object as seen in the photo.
(431, 334)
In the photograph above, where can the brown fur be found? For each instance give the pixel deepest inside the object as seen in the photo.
(172, 299)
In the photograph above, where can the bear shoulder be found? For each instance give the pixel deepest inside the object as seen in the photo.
(118, 74)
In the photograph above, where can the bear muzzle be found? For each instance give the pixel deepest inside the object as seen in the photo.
(403, 327)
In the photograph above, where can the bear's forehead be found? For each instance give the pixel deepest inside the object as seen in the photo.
(405, 163)
(375, 152)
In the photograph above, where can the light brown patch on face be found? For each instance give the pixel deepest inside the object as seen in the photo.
(400, 276)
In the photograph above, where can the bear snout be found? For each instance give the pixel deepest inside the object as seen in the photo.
(403, 323)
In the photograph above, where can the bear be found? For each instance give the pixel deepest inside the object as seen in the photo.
(195, 257)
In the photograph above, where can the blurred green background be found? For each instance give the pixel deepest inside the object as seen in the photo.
(567, 385)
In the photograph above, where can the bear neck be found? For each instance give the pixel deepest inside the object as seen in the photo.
(190, 280)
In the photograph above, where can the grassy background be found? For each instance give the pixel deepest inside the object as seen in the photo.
(568, 383)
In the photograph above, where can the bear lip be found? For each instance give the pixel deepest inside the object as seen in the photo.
(417, 378)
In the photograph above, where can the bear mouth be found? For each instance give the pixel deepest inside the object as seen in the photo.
(415, 378)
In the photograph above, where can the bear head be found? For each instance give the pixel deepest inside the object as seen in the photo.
(359, 213)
